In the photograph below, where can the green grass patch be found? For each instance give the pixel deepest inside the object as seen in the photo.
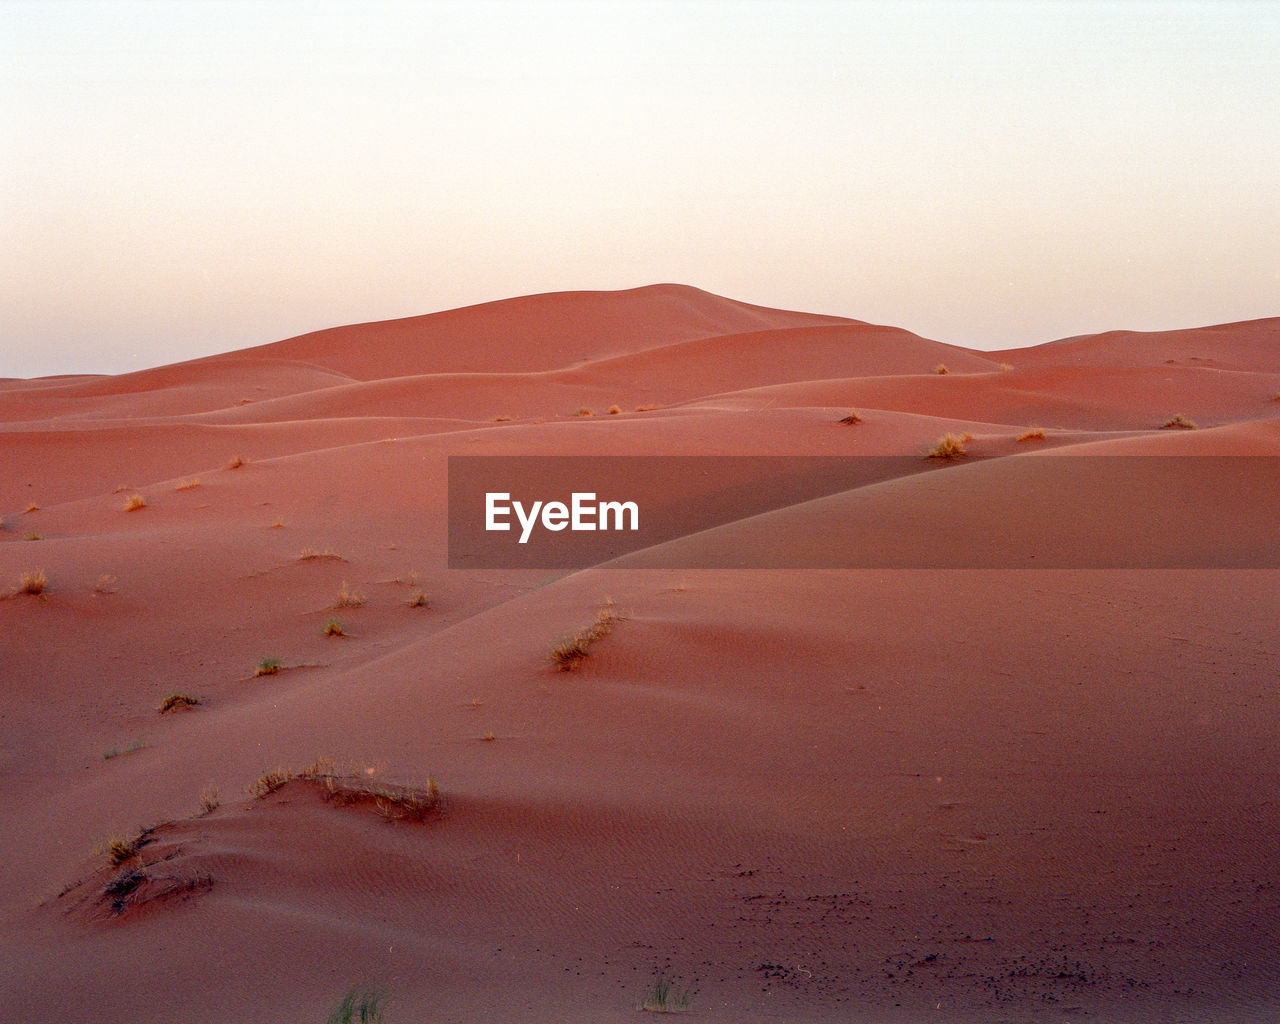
(667, 995)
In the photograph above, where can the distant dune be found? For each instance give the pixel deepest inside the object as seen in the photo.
(816, 795)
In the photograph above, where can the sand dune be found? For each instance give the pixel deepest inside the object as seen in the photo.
(1248, 345)
(814, 793)
(537, 332)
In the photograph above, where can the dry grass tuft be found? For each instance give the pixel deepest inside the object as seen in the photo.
(268, 782)
(949, 446)
(1033, 434)
(1006, 367)
(268, 667)
(570, 652)
(614, 410)
(1178, 423)
(33, 536)
(941, 369)
(851, 420)
(502, 419)
(134, 887)
(236, 462)
(348, 598)
(312, 555)
(33, 507)
(120, 850)
(393, 802)
(488, 737)
(210, 801)
(645, 408)
(178, 701)
(190, 483)
(33, 582)
(419, 600)
(135, 502)
(106, 584)
(334, 628)
(584, 411)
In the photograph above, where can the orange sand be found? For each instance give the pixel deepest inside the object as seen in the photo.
(820, 795)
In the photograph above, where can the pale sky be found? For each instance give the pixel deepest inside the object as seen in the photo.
(183, 178)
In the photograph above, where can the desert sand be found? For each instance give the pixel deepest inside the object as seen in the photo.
(808, 795)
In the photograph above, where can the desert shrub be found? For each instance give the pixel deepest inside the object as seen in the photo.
(120, 849)
(334, 628)
(312, 555)
(33, 581)
(941, 369)
(396, 803)
(393, 802)
(1033, 434)
(851, 420)
(268, 782)
(949, 446)
(268, 667)
(570, 652)
(177, 701)
(348, 598)
(1178, 423)
(135, 502)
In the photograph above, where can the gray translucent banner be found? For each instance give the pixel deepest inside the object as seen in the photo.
(1047, 511)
